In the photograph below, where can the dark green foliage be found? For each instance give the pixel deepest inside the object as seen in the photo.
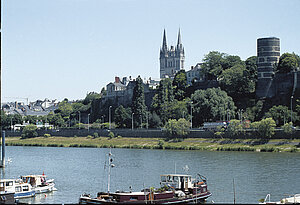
(29, 131)
(211, 105)
(138, 103)
(280, 113)
(180, 85)
(288, 62)
(122, 117)
(251, 66)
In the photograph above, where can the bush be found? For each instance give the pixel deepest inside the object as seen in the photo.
(46, 135)
(96, 135)
(179, 128)
(111, 135)
(29, 132)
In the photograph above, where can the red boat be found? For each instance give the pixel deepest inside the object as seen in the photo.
(175, 189)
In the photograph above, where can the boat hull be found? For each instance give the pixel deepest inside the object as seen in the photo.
(24, 194)
(199, 199)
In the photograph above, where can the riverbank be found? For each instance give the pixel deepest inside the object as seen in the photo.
(252, 145)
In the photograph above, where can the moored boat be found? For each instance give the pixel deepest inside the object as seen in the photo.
(295, 199)
(18, 187)
(175, 189)
(39, 183)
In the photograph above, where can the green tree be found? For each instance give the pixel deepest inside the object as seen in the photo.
(179, 128)
(162, 99)
(180, 85)
(251, 66)
(287, 62)
(229, 61)
(236, 81)
(288, 128)
(212, 64)
(138, 102)
(122, 117)
(235, 128)
(280, 114)
(265, 128)
(90, 97)
(211, 105)
(29, 131)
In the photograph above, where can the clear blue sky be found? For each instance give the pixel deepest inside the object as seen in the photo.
(66, 48)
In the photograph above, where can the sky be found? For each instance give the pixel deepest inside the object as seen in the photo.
(60, 49)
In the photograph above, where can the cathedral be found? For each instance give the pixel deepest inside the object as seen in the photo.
(171, 60)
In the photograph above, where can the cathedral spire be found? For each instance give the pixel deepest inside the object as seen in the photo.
(179, 38)
(164, 45)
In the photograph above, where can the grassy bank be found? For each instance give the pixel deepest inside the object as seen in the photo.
(156, 143)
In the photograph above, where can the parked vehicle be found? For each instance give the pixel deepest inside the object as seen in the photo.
(214, 125)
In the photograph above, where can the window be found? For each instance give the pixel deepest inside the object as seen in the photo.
(175, 179)
(9, 183)
(18, 189)
(25, 188)
(2, 184)
(169, 178)
(163, 178)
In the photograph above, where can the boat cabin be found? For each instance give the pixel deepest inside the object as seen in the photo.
(34, 180)
(176, 181)
(7, 185)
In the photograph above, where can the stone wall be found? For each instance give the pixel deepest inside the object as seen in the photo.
(144, 133)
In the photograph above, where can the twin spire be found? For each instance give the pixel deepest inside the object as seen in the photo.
(164, 45)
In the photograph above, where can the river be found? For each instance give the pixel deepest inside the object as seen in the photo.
(82, 170)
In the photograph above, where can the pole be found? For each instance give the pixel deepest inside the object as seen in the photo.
(191, 115)
(233, 192)
(292, 110)
(3, 150)
(79, 120)
(109, 113)
(88, 123)
(132, 121)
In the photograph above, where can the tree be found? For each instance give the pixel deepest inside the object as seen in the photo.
(212, 64)
(287, 62)
(264, 128)
(229, 61)
(122, 117)
(138, 102)
(236, 81)
(162, 99)
(251, 66)
(65, 109)
(211, 105)
(280, 114)
(90, 97)
(178, 128)
(29, 131)
(180, 85)
(235, 128)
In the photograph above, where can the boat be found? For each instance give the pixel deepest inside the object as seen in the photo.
(292, 199)
(39, 183)
(18, 187)
(175, 189)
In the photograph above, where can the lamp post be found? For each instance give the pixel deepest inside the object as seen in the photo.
(109, 115)
(292, 109)
(132, 121)
(191, 114)
(141, 121)
(79, 120)
(147, 113)
(88, 122)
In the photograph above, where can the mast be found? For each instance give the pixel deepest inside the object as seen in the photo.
(110, 164)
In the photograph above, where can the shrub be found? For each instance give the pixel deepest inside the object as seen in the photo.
(111, 135)
(161, 144)
(96, 135)
(29, 132)
(46, 135)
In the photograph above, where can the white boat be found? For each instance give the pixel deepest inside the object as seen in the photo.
(39, 183)
(18, 187)
(288, 200)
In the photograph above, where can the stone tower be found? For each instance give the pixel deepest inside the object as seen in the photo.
(268, 54)
(171, 60)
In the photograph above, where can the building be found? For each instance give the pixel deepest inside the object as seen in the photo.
(195, 74)
(268, 54)
(171, 60)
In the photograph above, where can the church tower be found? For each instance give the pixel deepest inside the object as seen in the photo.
(171, 60)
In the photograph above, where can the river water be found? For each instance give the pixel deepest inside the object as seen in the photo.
(82, 170)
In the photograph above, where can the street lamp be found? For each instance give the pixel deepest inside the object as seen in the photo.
(191, 114)
(292, 109)
(132, 121)
(109, 114)
(141, 121)
(79, 120)
(88, 122)
(147, 113)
